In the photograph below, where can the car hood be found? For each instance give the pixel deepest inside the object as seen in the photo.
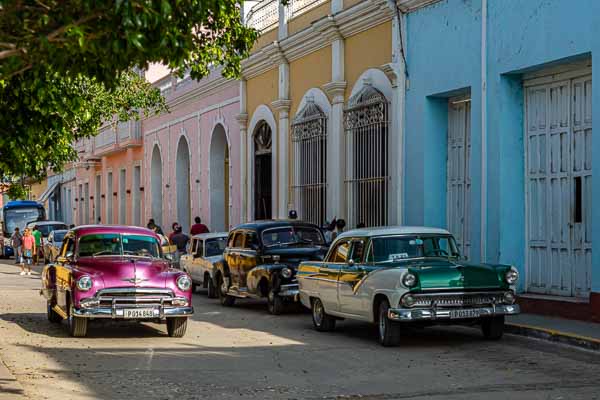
(125, 271)
(295, 255)
(446, 274)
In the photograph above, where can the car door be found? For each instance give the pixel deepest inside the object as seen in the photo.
(351, 277)
(198, 260)
(233, 257)
(248, 260)
(185, 260)
(63, 272)
(329, 274)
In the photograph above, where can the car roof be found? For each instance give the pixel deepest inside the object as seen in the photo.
(210, 235)
(46, 223)
(98, 229)
(274, 223)
(393, 230)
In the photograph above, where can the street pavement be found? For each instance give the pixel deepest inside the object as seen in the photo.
(245, 353)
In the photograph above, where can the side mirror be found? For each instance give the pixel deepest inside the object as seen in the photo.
(69, 255)
(351, 263)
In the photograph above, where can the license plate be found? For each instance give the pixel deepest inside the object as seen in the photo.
(139, 313)
(459, 314)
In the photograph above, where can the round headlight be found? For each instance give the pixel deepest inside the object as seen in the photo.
(408, 301)
(84, 283)
(286, 273)
(511, 276)
(184, 282)
(409, 280)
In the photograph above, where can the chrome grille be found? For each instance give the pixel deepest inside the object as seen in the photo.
(458, 299)
(135, 296)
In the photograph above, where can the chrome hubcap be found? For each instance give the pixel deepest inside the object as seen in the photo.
(318, 312)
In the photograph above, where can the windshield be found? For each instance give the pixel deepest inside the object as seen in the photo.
(215, 247)
(116, 244)
(292, 235)
(397, 248)
(59, 236)
(20, 217)
(46, 229)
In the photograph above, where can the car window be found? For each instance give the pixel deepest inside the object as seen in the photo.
(68, 247)
(214, 247)
(116, 244)
(358, 249)
(289, 235)
(238, 242)
(251, 240)
(340, 252)
(230, 239)
(58, 236)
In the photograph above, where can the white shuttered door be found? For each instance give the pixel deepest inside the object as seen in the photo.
(559, 176)
(458, 175)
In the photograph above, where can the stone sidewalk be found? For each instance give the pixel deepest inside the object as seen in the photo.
(575, 333)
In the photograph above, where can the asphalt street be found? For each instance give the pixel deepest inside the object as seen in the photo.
(245, 353)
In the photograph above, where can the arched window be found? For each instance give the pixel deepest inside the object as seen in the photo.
(366, 122)
(262, 171)
(309, 140)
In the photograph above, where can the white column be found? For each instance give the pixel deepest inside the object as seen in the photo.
(337, 6)
(336, 161)
(242, 119)
(283, 31)
(282, 106)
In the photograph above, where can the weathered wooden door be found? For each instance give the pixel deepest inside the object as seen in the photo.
(458, 172)
(559, 177)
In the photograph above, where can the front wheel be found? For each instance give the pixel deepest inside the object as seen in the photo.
(275, 303)
(176, 326)
(77, 325)
(322, 321)
(225, 299)
(389, 331)
(53, 316)
(492, 328)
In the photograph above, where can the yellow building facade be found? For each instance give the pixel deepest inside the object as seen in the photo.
(320, 112)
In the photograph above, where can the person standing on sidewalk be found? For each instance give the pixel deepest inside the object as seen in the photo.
(16, 241)
(38, 244)
(198, 227)
(28, 251)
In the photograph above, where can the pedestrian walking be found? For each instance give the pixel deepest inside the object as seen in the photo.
(38, 244)
(180, 240)
(175, 228)
(16, 241)
(28, 252)
(198, 227)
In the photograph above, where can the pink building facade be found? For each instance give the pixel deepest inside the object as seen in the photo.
(191, 155)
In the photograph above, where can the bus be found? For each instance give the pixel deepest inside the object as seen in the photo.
(17, 214)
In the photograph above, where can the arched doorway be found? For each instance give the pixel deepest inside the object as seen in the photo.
(219, 181)
(262, 171)
(156, 183)
(182, 178)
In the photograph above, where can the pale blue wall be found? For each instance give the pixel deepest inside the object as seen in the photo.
(444, 55)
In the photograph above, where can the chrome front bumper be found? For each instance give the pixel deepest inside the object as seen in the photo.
(431, 314)
(289, 290)
(119, 312)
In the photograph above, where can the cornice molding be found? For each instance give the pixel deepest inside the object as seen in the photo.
(282, 105)
(242, 119)
(335, 90)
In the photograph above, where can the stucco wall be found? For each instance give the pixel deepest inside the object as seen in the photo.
(522, 35)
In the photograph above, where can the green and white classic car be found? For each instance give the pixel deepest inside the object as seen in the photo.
(392, 276)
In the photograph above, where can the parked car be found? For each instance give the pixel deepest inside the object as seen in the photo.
(45, 227)
(115, 272)
(399, 275)
(205, 250)
(261, 258)
(53, 244)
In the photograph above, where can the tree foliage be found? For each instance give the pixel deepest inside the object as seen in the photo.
(66, 66)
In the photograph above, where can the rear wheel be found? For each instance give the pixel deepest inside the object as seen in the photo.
(493, 328)
(275, 303)
(225, 299)
(389, 331)
(176, 326)
(77, 325)
(53, 316)
(322, 321)
(212, 290)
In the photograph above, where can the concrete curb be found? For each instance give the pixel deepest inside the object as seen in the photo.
(552, 335)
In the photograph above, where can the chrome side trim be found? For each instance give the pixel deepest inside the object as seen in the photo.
(428, 314)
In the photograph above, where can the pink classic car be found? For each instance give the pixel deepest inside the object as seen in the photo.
(115, 272)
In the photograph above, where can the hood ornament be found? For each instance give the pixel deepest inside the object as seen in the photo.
(136, 281)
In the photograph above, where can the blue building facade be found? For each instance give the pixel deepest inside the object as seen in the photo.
(498, 143)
